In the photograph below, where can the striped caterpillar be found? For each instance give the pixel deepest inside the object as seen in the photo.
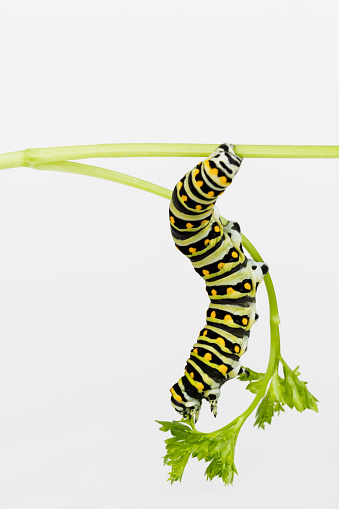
(214, 248)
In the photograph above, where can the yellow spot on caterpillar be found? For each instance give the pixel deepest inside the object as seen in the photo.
(247, 286)
(214, 292)
(205, 272)
(175, 395)
(200, 386)
(213, 314)
(184, 197)
(210, 206)
(180, 185)
(208, 356)
(222, 368)
(216, 229)
(207, 163)
(195, 351)
(196, 171)
(230, 290)
(200, 183)
(205, 333)
(198, 207)
(189, 225)
(210, 193)
(172, 219)
(227, 318)
(244, 321)
(234, 254)
(207, 241)
(237, 349)
(214, 171)
(192, 375)
(204, 221)
(192, 249)
(220, 341)
(223, 180)
(220, 265)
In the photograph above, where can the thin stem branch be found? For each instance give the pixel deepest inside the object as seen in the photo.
(102, 173)
(274, 349)
(274, 327)
(32, 157)
(274, 346)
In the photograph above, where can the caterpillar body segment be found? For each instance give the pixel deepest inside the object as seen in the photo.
(215, 251)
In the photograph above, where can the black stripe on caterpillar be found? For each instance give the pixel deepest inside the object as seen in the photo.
(215, 250)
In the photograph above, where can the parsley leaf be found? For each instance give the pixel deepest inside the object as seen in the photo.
(272, 403)
(296, 393)
(216, 448)
(254, 378)
(288, 391)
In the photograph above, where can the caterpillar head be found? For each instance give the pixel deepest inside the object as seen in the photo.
(186, 405)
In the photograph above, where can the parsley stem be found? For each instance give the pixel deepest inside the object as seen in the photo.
(274, 349)
(102, 173)
(34, 156)
(275, 342)
(287, 151)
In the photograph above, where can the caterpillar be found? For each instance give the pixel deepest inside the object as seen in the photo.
(215, 250)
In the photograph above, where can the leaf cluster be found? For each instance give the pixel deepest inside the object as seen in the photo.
(288, 391)
(216, 448)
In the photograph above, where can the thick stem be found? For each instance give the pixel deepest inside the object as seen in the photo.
(287, 151)
(32, 157)
(12, 160)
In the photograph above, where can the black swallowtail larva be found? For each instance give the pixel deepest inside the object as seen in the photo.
(215, 250)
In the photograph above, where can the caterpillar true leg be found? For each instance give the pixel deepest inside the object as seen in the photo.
(216, 253)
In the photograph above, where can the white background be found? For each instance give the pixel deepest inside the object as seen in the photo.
(98, 310)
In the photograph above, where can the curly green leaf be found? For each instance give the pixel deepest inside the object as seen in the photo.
(272, 403)
(296, 393)
(216, 448)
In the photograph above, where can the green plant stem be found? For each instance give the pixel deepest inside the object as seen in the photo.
(32, 157)
(274, 346)
(102, 173)
(274, 349)
(287, 151)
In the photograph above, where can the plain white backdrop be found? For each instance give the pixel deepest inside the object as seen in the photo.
(98, 310)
